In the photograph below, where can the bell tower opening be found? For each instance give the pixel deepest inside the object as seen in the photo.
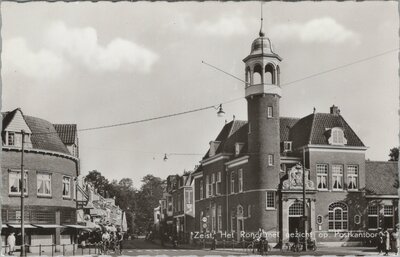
(257, 75)
(269, 74)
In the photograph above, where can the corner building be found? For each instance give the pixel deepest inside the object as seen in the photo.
(51, 165)
(252, 175)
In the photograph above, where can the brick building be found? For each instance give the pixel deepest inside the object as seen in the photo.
(51, 163)
(251, 176)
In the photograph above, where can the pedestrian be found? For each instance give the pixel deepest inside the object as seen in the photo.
(11, 243)
(387, 241)
(393, 241)
(380, 241)
(214, 240)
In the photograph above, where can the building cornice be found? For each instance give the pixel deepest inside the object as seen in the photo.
(197, 175)
(382, 196)
(287, 159)
(215, 158)
(332, 148)
(34, 150)
(237, 162)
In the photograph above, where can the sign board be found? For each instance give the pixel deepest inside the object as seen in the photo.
(204, 219)
(204, 225)
(18, 215)
(81, 204)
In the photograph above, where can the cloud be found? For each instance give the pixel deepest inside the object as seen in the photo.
(18, 57)
(224, 26)
(64, 48)
(321, 30)
(81, 44)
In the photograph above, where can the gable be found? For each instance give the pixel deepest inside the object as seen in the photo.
(17, 123)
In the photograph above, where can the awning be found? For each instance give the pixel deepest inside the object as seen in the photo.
(19, 225)
(4, 226)
(76, 226)
(47, 226)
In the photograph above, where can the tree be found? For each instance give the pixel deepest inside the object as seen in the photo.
(98, 181)
(394, 154)
(147, 199)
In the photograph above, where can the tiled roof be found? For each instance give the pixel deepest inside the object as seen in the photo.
(67, 133)
(380, 178)
(311, 129)
(44, 135)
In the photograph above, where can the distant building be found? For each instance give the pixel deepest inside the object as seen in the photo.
(175, 214)
(96, 211)
(51, 168)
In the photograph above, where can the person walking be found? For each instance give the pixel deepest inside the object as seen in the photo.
(11, 243)
(214, 241)
(380, 241)
(387, 242)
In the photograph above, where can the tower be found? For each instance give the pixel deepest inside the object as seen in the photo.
(263, 93)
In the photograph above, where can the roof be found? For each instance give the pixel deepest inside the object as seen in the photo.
(44, 136)
(381, 178)
(66, 132)
(311, 129)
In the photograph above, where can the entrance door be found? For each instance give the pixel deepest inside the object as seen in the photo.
(294, 226)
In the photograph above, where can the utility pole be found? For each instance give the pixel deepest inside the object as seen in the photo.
(23, 254)
(304, 204)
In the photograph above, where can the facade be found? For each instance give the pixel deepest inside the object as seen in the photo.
(96, 211)
(252, 175)
(175, 214)
(50, 171)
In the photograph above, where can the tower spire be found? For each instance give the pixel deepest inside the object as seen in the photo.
(262, 21)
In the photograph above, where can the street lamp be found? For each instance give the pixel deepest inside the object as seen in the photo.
(23, 253)
(220, 112)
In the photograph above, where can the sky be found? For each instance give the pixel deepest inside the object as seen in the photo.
(96, 64)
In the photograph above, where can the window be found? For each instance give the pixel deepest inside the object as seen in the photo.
(66, 187)
(44, 184)
(357, 219)
(296, 209)
(270, 159)
(337, 177)
(373, 217)
(322, 176)
(337, 137)
(248, 211)
(287, 146)
(169, 199)
(209, 186)
(270, 200)
(337, 216)
(201, 189)
(232, 182)
(219, 215)
(352, 177)
(14, 182)
(240, 180)
(11, 138)
(319, 219)
(270, 113)
(219, 181)
(238, 148)
(213, 223)
(388, 216)
(212, 184)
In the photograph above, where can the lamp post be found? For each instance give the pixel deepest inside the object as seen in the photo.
(23, 254)
(304, 205)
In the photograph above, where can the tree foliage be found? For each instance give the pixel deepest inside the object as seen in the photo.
(394, 154)
(137, 204)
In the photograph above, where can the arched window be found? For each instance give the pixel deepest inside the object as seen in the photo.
(296, 209)
(257, 75)
(248, 75)
(269, 74)
(338, 216)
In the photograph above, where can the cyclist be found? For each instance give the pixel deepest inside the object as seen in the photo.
(105, 238)
(119, 238)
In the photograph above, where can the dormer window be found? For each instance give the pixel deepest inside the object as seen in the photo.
(287, 146)
(337, 137)
(238, 148)
(12, 138)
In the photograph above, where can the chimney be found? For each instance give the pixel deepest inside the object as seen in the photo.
(335, 110)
